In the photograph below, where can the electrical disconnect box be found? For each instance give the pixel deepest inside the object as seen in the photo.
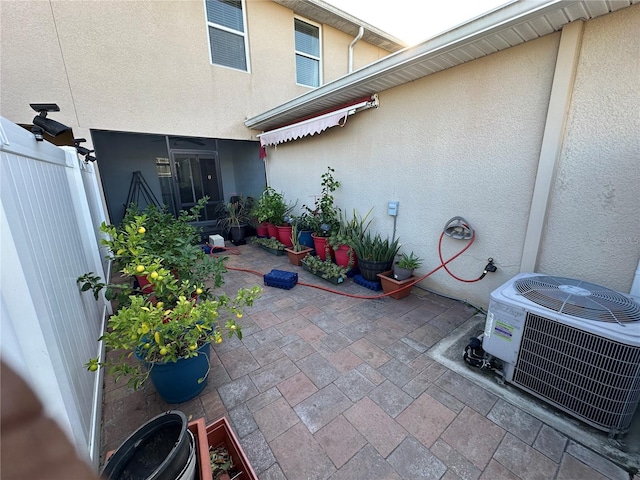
(393, 208)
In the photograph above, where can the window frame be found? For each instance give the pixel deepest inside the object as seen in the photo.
(244, 34)
(297, 52)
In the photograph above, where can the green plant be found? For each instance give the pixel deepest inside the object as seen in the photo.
(271, 207)
(323, 217)
(348, 231)
(269, 243)
(172, 313)
(325, 268)
(236, 214)
(409, 262)
(295, 239)
(164, 332)
(375, 248)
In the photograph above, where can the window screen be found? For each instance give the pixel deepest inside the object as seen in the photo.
(227, 33)
(307, 42)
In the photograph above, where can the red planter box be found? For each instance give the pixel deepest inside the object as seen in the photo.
(220, 433)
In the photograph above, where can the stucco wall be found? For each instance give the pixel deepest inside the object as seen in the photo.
(463, 142)
(593, 228)
(466, 141)
(144, 66)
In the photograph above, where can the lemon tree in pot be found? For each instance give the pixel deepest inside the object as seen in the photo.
(170, 322)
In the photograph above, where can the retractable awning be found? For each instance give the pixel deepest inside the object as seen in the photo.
(314, 125)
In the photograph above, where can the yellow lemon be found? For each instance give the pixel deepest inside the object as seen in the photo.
(147, 345)
(193, 347)
(233, 327)
(238, 315)
(93, 367)
(199, 291)
(163, 351)
(154, 275)
(156, 336)
(160, 304)
(140, 268)
(142, 230)
(219, 340)
(145, 328)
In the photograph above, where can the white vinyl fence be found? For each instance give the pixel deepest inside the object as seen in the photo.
(50, 208)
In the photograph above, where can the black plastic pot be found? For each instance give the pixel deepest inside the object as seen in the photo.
(159, 450)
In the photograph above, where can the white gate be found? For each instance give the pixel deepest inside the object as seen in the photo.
(50, 207)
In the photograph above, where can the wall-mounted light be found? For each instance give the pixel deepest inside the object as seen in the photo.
(83, 151)
(42, 123)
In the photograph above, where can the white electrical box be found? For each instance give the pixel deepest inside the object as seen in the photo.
(216, 241)
(393, 208)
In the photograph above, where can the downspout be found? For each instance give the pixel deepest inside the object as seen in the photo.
(552, 141)
(353, 44)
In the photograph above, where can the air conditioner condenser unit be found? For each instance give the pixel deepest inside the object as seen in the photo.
(573, 344)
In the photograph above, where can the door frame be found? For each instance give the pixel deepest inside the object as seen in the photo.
(174, 172)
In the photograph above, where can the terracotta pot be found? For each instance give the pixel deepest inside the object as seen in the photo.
(322, 247)
(296, 257)
(220, 433)
(401, 288)
(284, 235)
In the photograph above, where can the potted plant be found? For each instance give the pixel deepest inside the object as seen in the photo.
(403, 268)
(397, 288)
(236, 220)
(343, 237)
(324, 214)
(297, 251)
(271, 209)
(375, 255)
(325, 269)
(169, 322)
(271, 245)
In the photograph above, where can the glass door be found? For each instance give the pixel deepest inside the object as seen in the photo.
(196, 175)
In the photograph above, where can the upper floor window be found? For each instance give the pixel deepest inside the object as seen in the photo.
(307, 53)
(227, 33)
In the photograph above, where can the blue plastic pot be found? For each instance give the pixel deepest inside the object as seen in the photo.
(304, 237)
(177, 382)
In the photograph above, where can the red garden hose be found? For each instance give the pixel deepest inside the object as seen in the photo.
(369, 297)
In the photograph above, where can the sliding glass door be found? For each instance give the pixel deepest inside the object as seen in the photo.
(196, 174)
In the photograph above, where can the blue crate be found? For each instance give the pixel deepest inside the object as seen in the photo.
(281, 279)
(360, 280)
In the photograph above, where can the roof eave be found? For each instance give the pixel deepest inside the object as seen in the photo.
(364, 81)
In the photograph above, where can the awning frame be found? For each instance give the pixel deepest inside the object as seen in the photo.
(315, 125)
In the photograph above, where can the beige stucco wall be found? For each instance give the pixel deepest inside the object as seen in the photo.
(466, 141)
(143, 66)
(593, 228)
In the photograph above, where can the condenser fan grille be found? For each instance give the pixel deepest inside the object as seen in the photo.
(579, 299)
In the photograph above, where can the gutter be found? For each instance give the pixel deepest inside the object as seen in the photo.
(501, 18)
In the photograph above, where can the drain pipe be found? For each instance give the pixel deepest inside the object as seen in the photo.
(353, 44)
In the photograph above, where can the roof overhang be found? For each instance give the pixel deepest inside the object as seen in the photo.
(512, 24)
(327, 14)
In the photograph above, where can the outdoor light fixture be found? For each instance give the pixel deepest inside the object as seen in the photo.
(83, 151)
(42, 123)
(37, 133)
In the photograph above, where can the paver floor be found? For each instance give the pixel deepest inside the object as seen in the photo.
(326, 386)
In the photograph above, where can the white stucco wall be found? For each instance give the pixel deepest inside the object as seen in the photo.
(144, 66)
(593, 228)
(466, 142)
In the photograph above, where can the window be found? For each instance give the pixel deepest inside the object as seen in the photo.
(307, 53)
(227, 33)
